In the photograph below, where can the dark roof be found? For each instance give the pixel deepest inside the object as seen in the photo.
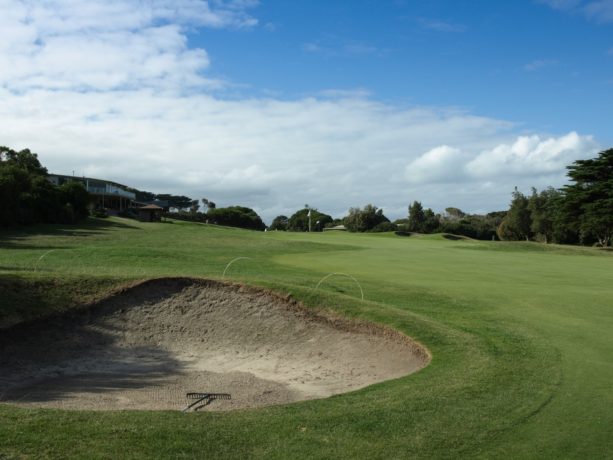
(65, 176)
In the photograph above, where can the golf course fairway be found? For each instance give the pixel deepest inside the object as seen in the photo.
(519, 336)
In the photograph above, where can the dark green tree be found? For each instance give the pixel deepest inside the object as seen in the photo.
(517, 224)
(432, 222)
(194, 206)
(75, 199)
(236, 216)
(543, 209)
(589, 199)
(363, 220)
(208, 203)
(299, 221)
(28, 197)
(454, 214)
(417, 217)
(279, 223)
(179, 202)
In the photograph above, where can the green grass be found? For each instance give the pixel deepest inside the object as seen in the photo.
(520, 335)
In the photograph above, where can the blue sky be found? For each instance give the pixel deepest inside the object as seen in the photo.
(523, 61)
(273, 104)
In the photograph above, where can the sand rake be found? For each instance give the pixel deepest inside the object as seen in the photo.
(203, 399)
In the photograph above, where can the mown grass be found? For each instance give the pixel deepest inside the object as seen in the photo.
(519, 333)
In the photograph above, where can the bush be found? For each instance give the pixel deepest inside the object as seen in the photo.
(383, 227)
(236, 216)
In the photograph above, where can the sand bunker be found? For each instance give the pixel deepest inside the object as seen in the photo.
(147, 346)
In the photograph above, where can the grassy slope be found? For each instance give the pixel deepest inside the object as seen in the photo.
(520, 335)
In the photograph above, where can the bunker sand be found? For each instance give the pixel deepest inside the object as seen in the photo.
(146, 346)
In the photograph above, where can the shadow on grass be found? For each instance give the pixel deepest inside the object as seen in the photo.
(12, 238)
(10, 268)
(25, 299)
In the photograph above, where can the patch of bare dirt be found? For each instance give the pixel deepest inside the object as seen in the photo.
(148, 345)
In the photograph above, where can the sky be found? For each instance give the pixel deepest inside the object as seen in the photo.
(275, 104)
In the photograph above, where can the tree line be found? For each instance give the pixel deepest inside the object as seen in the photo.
(581, 212)
(231, 216)
(27, 197)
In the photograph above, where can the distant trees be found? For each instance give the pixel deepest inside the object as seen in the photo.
(422, 220)
(477, 226)
(517, 224)
(590, 197)
(366, 219)
(208, 203)
(579, 212)
(142, 196)
(454, 214)
(28, 197)
(299, 221)
(179, 202)
(236, 216)
(279, 223)
(543, 208)
(417, 217)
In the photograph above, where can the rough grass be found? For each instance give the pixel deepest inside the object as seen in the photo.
(520, 337)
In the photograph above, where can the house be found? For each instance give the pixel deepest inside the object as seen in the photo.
(149, 213)
(105, 194)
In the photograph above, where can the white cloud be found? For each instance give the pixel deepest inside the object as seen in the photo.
(113, 91)
(531, 156)
(440, 164)
(106, 45)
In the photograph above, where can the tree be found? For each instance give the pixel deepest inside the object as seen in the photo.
(236, 216)
(454, 214)
(208, 203)
(362, 220)
(24, 160)
(75, 199)
(416, 217)
(480, 227)
(590, 198)
(28, 197)
(179, 202)
(299, 221)
(142, 196)
(194, 206)
(432, 222)
(279, 223)
(517, 223)
(542, 208)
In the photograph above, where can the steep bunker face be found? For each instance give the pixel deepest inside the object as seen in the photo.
(149, 345)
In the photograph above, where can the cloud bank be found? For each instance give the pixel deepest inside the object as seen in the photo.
(113, 90)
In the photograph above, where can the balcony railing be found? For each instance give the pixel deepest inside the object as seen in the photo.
(109, 190)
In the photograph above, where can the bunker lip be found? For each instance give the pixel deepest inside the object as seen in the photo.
(149, 343)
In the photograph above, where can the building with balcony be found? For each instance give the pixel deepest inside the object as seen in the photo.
(105, 194)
